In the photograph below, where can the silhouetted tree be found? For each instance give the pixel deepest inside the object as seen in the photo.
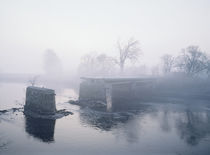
(128, 51)
(155, 70)
(192, 61)
(168, 62)
(33, 80)
(94, 64)
(105, 63)
(52, 63)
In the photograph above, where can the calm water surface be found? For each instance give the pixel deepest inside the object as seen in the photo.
(153, 128)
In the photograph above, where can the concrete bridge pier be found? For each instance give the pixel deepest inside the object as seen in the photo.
(115, 92)
(108, 91)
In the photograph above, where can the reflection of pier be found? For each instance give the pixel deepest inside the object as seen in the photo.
(42, 129)
(115, 91)
(108, 120)
(104, 121)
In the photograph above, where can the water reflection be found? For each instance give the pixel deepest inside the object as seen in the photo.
(123, 123)
(42, 129)
(102, 120)
(189, 125)
(193, 127)
(165, 124)
(3, 144)
(108, 120)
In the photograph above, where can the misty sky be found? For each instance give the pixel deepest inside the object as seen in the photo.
(75, 27)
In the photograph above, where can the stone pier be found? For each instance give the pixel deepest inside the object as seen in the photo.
(40, 101)
(115, 91)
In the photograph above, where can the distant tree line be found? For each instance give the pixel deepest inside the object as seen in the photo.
(101, 64)
(94, 64)
(191, 61)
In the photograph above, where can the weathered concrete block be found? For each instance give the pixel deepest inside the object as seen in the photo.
(92, 91)
(40, 101)
(116, 92)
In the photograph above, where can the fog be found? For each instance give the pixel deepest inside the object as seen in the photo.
(53, 44)
(74, 28)
(105, 77)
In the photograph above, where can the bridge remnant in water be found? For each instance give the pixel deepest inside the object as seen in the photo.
(40, 101)
(115, 91)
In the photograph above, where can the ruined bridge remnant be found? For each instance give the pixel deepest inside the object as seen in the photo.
(40, 101)
(115, 91)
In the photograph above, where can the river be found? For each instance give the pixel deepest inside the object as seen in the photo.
(173, 128)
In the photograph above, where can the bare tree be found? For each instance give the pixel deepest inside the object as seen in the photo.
(94, 64)
(33, 80)
(155, 70)
(168, 63)
(105, 63)
(192, 61)
(128, 51)
(52, 63)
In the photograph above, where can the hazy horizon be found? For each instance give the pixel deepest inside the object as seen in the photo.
(74, 28)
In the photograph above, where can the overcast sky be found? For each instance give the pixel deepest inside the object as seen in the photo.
(75, 27)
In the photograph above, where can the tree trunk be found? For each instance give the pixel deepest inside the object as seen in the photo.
(121, 68)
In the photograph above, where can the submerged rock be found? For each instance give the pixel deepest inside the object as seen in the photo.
(3, 111)
(97, 105)
(74, 102)
(10, 110)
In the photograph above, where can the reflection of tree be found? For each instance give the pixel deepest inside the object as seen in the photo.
(165, 124)
(42, 129)
(125, 123)
(3, 144)
(193, 126)
(131, 130)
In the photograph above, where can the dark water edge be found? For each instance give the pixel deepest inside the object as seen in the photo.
(176, 127)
